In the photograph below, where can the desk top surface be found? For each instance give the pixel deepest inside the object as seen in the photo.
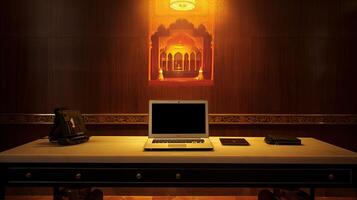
(130, 149)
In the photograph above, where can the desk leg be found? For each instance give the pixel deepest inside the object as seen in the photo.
(2, 192)
(57, 193)
(312, 193)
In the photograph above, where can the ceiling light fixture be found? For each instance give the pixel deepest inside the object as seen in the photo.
(182, 5)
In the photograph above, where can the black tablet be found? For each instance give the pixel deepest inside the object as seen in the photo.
(234, 141)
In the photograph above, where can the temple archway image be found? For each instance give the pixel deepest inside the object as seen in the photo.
(180, 53)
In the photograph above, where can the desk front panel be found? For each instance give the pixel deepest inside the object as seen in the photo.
(181, 174)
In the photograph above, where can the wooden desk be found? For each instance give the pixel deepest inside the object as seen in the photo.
(121, 161)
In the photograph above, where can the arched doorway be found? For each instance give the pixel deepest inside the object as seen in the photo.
(192, 61)
(198, 61)
(186, 62)
(169, 61)
(163, 61)
(178, 64)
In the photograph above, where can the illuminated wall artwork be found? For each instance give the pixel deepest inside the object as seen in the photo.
(181, 42)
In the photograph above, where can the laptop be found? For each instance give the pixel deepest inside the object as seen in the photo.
(178, 125)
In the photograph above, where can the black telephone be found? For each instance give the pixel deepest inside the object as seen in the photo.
(68, 128)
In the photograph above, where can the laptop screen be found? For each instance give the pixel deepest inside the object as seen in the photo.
(178, 118)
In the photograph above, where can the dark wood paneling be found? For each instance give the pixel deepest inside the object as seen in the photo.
(284, 56)
(270, 56)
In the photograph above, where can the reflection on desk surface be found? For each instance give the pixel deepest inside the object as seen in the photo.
(129, 149)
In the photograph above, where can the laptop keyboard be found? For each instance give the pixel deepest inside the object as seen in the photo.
(178, 141)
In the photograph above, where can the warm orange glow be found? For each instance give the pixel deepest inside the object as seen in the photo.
(181, 43)
(200, 75)
(182, 5)
(162, 14)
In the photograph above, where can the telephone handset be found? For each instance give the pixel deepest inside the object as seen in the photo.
(68, 128)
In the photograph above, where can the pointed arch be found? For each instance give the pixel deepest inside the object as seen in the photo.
(163, 61)
(169, 62)
(193, 61)
(186, 64)
(198, 60)
(178, 64)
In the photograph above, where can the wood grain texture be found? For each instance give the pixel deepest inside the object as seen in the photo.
(341, 135)
(107, 150)
(270, 56)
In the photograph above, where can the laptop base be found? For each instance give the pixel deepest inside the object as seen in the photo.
(206, 146)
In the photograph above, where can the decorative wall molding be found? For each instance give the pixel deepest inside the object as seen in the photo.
(333, 119)
(127, 119)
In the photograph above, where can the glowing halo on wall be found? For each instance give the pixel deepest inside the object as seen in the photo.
(183, 5)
